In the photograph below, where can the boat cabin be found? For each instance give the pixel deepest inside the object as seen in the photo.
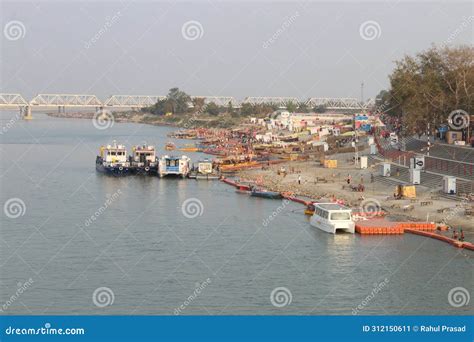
(205, 166)
(144, 154)
(114, 154)
(331, 217)
(171, 165)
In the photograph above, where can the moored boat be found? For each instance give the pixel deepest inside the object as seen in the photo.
(171, 165)
(170, 146)
(189, 148)
(112, 160)
(144, 160)
(265, 193)
(205, 170)
(332, 217)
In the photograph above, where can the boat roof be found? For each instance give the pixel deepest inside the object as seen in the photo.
(331, 206)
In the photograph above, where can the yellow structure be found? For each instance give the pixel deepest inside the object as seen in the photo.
(330, 164)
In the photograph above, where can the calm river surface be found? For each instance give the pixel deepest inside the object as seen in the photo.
(152, 258)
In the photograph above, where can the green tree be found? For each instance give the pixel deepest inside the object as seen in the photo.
(247, 109)
(425, 88)
(212, 109)
(320, 109)
(178, 100)
(198, 104)
(291, 106)
(230, 108)
(303, 108)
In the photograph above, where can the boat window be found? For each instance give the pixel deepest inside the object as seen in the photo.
(340, 216)
(112, 153)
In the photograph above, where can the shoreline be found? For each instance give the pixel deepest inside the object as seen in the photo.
(185, 121)
(335, 187)
(331, 185)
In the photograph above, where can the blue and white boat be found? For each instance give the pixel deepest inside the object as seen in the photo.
(113, 160)
(171, 165)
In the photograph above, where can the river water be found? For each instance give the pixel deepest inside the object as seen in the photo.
(140, 254)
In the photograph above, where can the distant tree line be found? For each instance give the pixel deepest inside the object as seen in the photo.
(427, 87)
(178, 102)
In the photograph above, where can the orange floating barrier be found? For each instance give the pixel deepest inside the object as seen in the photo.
(453, 242)
(378, 227)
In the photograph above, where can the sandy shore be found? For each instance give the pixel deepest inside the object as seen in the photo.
(336, 187)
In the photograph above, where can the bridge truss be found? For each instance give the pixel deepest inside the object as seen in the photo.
(12, 100)
(65, 100)
(336, 103)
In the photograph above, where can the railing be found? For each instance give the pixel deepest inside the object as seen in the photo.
(433, 164)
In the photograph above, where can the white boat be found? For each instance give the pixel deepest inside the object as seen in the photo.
(144, 160)
(170, 165)
(332, 217)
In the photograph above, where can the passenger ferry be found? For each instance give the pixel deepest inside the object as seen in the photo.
(144, 160)
(113, 160)
(332, 217)
(170, 165)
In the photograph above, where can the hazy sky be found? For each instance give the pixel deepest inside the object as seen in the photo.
(233, 48)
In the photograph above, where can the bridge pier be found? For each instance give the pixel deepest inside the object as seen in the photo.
(61, 109)
(26, 112)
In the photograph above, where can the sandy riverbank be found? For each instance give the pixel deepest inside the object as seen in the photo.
(336, 187)
(188, 120)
